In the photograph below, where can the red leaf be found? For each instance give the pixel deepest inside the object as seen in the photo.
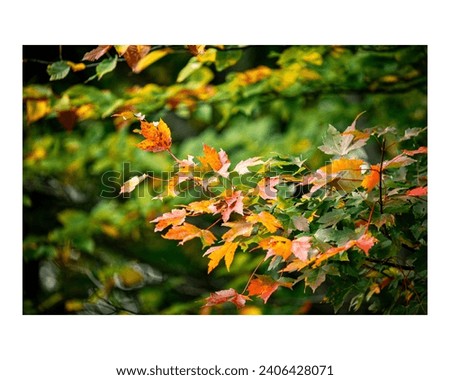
(365, 242)
(264, 287)
(223, 296)
(418, 192)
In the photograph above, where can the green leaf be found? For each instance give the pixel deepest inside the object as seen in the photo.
(192, 66)
(58, 70)
(225, 59)
(106, 66)
(332, 218)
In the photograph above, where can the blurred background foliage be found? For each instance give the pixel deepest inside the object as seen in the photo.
(87, 249)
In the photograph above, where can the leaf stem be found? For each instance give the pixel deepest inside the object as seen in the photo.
(252, 275)
(380, 184)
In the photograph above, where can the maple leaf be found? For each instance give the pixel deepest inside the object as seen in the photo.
(242, 167)
(333, 252)
(174, 218)
(372, 179)
(231, 203)
(343, 174)
(97, 53)
(301, 246)
(297, 265)
(157, 136)
(266, 219)
(418, 192)
(266, 187)
(277, 246)
(336, 143)
(239, 228)
(184, 233)
(229, 295)
(131, 184)
(218, 162)
(365, 242)
(218, 253)
(201, 207)
(264, 286)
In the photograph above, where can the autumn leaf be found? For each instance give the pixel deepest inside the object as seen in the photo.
(418, 192)
(365, 242)
(201, 207)
(239, 228)
(297, 265)
(372, 179)
(157, 136)
(242, 167)
(131, 184)
(264, 286)
(97, 53)
(266, 187)
(422, 149)
(217, 161)
(301, 246)
(150, 58)
(266, 219)
(339, 144)
(277, 246)
(37, 109)
(230, 203)
(134, 53)
(229, 295)
(343, 174)
(187, 232)
(218, 253)
(333, 252)
(172, 218)
(196, 49)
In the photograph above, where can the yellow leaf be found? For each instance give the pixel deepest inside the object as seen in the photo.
(218, 253)
(277, 246)
(201, 207)
(239, 228)
(37, 109)
(174, 218)
(151, 58)
(313, 57)
(267, 219)
(207, 56)
(121, 49)
(76, 66)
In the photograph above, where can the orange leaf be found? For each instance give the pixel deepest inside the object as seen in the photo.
(97, 53)
(422, 149)
(398, 162)
(267, 219)
(174, 218)
(418, 192)
(218, 253)
(343, 173)
(207, 237)
(297, 265)
(264, 287)
(333, 252)
(184, 233)
(229, 295)
(372, 179)
(365, 242)
(231, 203)
(277, 246)
(37, 109)
(157, 136)
(218, 162)
(239, 228)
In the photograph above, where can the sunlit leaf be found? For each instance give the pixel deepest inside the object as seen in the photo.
(239, 228)
(76, 66)
(372, 179)
(277, 246)
(134, 54)
(264, 286)
(37, 109)
(217, 253)
(242, 167)
(106, 66)
(266, 187)
(150, 59)
(157, 136)
(266, 219)
(418, 192)
(301, 246)
(187, 70)
(172, 218)
(131, 184)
